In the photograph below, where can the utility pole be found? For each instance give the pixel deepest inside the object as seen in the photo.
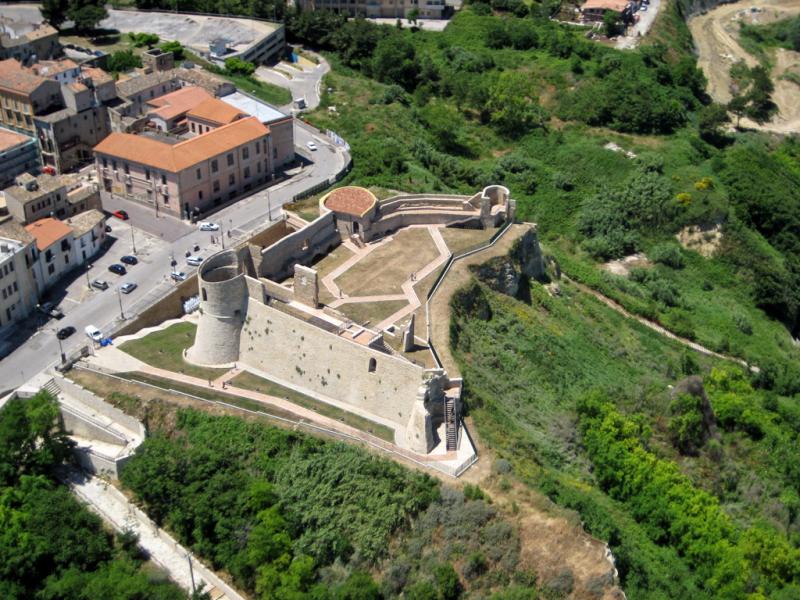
(119, 296)
(60, 348)
(88, 282)
(191, 573)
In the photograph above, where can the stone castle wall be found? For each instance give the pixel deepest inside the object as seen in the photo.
(296, 352)
(223, 302)
(300, 247)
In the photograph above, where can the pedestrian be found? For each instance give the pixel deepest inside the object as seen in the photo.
(210, 384)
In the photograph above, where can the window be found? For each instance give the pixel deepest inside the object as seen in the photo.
(15, 286)
(230, 160)
(51, 269)
(205, 296)
(373, 364)
(200, 195)
(231, 179)
(105, 162)
(246, 172)
(199, 174)
(147, 174)
(64, 245)
(214, 166)
(216, 185)
(245, 153)
(114, 164)
(127, 169)
(163, 179)
(193, 127)
(274, 153)
(258, 167)
(258, 148)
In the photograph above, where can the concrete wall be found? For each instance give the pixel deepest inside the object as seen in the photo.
(282, 138)
(98, 404)
(318, 238)
(296, 352)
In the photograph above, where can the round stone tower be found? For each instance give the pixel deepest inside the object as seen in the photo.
(223, 304)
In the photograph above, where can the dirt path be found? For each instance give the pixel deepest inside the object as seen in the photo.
(716, 38)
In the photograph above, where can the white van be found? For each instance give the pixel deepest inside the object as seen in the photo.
(94, 333)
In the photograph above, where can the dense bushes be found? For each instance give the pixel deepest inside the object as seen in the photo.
(732, 562)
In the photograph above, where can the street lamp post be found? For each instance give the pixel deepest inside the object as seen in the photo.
(60, 348)
(88, 281)
(133, 241)
(191, 573)
(119, 296)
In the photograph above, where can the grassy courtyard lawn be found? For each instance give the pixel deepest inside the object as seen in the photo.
(459, 240)
(252, 382)
(164, 349)
(371, 312)
(385, 269)
(261, 90)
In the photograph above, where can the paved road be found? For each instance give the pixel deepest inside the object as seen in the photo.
(303, 84)
(102, 308)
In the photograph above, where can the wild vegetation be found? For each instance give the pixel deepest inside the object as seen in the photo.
(290, 516)
(51, 546)
(780, 34)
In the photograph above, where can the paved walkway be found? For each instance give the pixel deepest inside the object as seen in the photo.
(409, 294)
(114, 508)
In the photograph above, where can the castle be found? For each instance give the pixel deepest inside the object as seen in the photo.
(260, 307)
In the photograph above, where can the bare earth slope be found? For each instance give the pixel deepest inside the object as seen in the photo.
(716, 38)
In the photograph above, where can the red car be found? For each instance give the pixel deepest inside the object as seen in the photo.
(121, 214)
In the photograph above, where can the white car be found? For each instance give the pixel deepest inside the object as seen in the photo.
(208, 226)
(93, 333)
(178, 276)
(194, 261)
(128, 287)
(311, 146)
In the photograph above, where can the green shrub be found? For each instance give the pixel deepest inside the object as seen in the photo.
(668, 254)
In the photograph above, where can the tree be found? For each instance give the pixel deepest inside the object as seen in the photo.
(175, 47)
(760, 105)
(611, 23)
(711, 119)
(143, 39)
(396, 62)
(86, 16)
(738, 106)
(122, 61)
(237, 66)
(54, 11)
(413, 15)
(513, 107)
(686, 427)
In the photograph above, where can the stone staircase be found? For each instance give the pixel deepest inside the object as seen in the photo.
(52, 387)
(451, 423)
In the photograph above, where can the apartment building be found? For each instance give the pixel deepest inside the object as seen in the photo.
(66, 137)
(54, 251)
(24, 41)
(18, 292)
(386, 9)
(88, 234)
(189, 177)
(18, 154)
(24, 94)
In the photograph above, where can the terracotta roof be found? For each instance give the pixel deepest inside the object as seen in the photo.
(47, 232)
(615, 5)
(15, 78)
(11, 139)
(350, 200)
(178, 102)
(215, 111)
(175, 158)
(97, 75)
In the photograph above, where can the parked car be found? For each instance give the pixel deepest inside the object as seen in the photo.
(121, 214)
(117, 268)
(311, 146)
(127, 287)
(65, 332)
(100, 284)
(108, 229)
(93, 333)
(51, 310)
(178, 275)
(194, 261)
(129, 260)
(208, 226)
(643, 8)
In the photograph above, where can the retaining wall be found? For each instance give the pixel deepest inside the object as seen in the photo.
(318, 238)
